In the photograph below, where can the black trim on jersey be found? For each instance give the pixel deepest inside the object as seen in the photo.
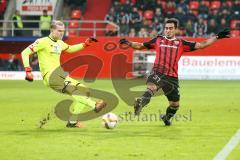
(52, 39)
(165, 56)
(153, 40)
(175, 58)
(190, 44)
(160, 53)
(170, 60)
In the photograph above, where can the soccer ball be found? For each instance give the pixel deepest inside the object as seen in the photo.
(110, 120)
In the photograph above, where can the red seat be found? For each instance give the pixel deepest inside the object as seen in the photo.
(229, 3)
(206, 3)
(72, 33)
(235, 33)
(76, 14)
(148, 14)
(193, 5)
(215, 5)
(164, 4)
(235, 24)
(73, 24)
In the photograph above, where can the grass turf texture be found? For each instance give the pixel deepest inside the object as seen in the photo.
(215, 117)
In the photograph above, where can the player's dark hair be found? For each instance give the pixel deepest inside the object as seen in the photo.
(56, 23)
(174, 21)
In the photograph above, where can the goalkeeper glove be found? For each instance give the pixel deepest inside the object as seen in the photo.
(89, 41)
(124, 41)
(223, 34)
(29, 75)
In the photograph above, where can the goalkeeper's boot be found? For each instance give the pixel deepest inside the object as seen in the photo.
(138, 106)
(166, 120)
(76, 124)
(100, 104)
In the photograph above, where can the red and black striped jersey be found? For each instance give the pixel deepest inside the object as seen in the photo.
(168, 53)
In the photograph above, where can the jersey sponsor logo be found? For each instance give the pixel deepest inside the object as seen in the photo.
(164, 45)
(176, 43)
(56, 49)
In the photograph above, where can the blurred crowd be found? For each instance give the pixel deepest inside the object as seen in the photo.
(14, 63)
(144, 18)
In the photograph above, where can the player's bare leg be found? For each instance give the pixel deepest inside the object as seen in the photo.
(170, 112)
(142, 101)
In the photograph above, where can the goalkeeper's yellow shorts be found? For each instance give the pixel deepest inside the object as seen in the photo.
(60, 81)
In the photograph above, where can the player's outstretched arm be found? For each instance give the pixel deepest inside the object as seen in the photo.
(223, 34)
(25, 58)
(77, 47)
(134, 45)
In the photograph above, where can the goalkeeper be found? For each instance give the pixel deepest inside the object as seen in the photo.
(49, 50)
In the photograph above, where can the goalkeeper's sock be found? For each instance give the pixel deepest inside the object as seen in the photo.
(146, 97)
(171, 111)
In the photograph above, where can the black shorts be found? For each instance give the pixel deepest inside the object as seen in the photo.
(168, 84)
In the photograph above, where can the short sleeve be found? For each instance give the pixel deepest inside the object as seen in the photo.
(64, 46)
(150, 44)
(188, 46)
(36, 46)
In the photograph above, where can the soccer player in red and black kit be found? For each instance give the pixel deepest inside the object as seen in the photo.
(164, 73)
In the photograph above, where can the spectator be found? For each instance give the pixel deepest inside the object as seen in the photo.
(111, 29)
(200, 33)
(111, 16)
(135, 19)
(200, 24)
(214, 15)
(124, 16)
(153, 33)
(236, 6)
(158, 15)
(212, 27)
(180, 15)
(182, 4)
(79, 4)
(203, 10)
(34, 62)
(132, 33)
(158, 26)
(13, 63)
(127, 7)
(18, 25)
(158, 4)
(142, 33)
(224, 6)
(45, 22)
(124, 27)
(189, 28)
(223, 23)
(182, 32)
(191, 16)
(170, 9)
(225, 14)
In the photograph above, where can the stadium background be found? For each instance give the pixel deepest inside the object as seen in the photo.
(211, 105)
(138, 20)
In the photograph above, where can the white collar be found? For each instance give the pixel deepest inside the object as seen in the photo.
(170, 39)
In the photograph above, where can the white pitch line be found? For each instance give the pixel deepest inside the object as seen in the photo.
(227, 149)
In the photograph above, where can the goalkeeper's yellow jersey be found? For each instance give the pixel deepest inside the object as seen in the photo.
(48, 51)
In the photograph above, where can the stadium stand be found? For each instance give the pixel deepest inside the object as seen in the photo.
(216, 15)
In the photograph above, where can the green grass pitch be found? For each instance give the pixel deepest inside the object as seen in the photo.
(209, 117)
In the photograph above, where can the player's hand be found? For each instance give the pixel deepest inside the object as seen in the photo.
(29, 75)
(89, 41)
(223, 34)
(124, 41)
